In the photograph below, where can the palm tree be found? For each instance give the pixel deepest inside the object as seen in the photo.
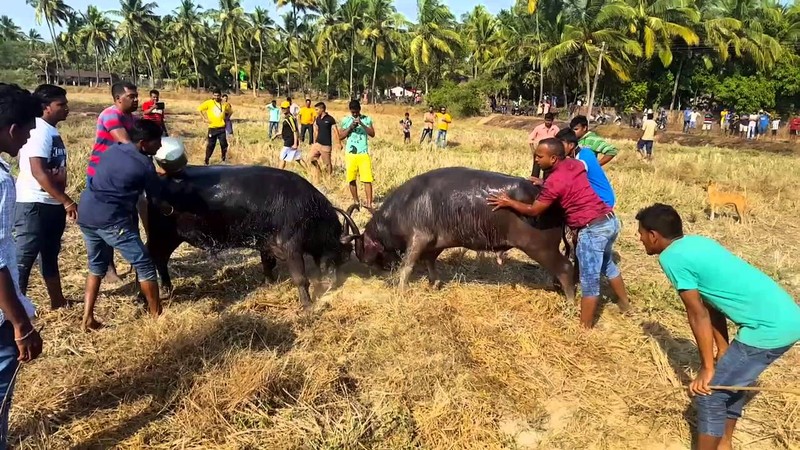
(297, 7)
(188, 28)
(138, 25)
(33, 38)
(482, 33)
(591, 24)
(262, 28)
(743, 26)
(433, 37)
(352, 13)
(328, 24)
(9, 31)
(54, 13)
(97, 35)
(232, 27)
(658, 23)
(381, 31)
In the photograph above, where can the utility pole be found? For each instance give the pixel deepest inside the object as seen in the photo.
(596, 78)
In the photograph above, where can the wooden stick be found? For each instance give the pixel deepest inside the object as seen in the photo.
(756, 389)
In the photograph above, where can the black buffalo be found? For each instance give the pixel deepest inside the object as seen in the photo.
(274, 211)
(447, 208)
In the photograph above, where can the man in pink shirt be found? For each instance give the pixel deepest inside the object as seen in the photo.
(594, 221)
(542, 131)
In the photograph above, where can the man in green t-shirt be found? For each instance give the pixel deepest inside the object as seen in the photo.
(716, 285)
(357, 128)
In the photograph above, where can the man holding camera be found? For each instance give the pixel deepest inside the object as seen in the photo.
(356, 128)
(153, 109)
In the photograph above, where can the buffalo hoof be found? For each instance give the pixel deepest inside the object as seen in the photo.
(436, 284)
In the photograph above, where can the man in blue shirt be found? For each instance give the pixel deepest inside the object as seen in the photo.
(763, 123)
(274, 117)
(594, 172)
(106, 209)
(715, 285)
(687, 118)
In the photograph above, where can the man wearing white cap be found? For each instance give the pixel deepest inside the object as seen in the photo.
(291, 138)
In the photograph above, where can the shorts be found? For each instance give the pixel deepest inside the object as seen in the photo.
(743, 128)
(692, 124)
(318, 149)
(739, 366)
(358, 165)
(290, 154)
(774, 132)
(101, 243)
(706, 126)
(647, 146)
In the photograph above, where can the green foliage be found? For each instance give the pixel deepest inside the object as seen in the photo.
(22, 77)
(464, 99)
(633, 95)
(746, 94)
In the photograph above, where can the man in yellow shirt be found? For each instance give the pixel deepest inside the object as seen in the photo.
(645, 144)
(214, 112)
(307, 116)
(443, 121)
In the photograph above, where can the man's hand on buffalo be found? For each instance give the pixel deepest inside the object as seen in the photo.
(499, 201)
(536, 181)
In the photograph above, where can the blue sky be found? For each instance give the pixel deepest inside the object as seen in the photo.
(23, 15)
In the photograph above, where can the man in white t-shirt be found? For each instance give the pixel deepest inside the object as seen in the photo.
(42, 204)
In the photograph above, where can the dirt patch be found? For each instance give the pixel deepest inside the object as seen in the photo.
(669, 137)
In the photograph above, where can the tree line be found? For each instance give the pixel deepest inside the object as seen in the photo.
(740, 53)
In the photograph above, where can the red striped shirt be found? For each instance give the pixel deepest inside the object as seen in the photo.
(109, 120)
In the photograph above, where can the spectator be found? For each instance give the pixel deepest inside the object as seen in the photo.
(590, 140)
(294, 109)
(307, 115)
(324, 134)
(405, 126)
(19, 341)
(645, 144)
(794, 128)
(776, 125)
(228, 122)
(291, 138)
(153, 109)
(443, 121)
(429, 118)
(215, 112)
(752, 127)
(542, 131)
(357, 129)
(708, 122)
(693, 119)
(687, 118)
(763, 123)
(42, 203)
(274, 118)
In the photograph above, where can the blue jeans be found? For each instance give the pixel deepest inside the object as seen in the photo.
(273, 129)
(594, 255)
(739, 366)
(441, 139)
(100, 245)
(8, 365)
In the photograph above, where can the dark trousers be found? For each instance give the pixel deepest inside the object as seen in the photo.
(214, 135)
(426, 132)
(307, 129)
(38, 228)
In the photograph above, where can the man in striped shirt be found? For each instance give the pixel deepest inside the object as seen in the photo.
(113, 125)
(590, 140)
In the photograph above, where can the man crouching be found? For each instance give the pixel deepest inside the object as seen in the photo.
(106, 207)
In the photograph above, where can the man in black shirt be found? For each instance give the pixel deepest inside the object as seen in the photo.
(291, 138)
(324, 133)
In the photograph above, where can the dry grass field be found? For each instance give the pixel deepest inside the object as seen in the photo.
(495, 359)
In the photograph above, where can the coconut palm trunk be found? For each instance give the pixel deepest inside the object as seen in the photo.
(374, 75)
(260, 67)
(675, 87)
(352, 56)
(150, 68)
(235, 68)
(52, 31)
(196, 72)
(96, 66)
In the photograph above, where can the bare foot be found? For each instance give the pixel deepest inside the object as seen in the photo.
(112, 278)
(91, 324)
